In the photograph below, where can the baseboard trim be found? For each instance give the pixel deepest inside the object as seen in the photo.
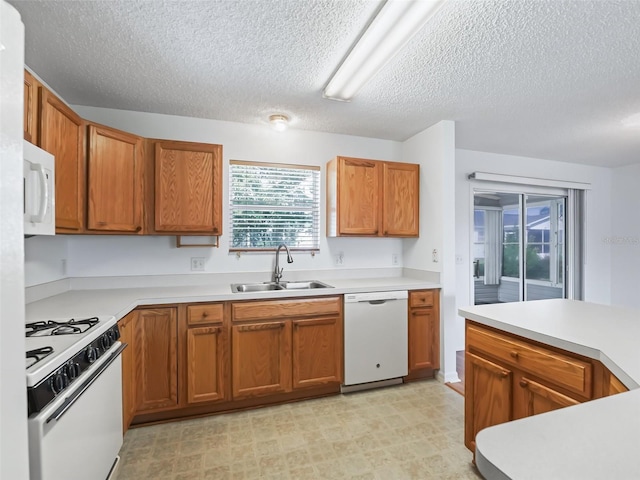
(367, 386)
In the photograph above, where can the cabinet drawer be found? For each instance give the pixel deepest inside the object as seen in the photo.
(422, 298)
(278, 309)
(205, 314)
(571, 373)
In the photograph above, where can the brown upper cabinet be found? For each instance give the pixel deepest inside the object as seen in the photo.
(187, 181)
(114, 181)
(372, 198)
(62, 134)
(30, 123)
(109, 181)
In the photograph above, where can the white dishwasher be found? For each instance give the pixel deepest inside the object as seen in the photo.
(375, 339)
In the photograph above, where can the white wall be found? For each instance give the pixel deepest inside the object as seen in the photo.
(45, 259)
(598, 216)
(624, 236)
(434, 150)
(14, 462)
(130, 255)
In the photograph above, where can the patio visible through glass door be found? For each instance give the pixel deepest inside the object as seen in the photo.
(518, 247)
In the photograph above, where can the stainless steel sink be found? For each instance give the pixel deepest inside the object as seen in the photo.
(255, 287)
(271, 286)
(304, 285)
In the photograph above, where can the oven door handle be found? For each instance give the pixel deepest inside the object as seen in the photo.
(57, 415)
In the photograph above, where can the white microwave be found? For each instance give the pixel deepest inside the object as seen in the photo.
(39, 181)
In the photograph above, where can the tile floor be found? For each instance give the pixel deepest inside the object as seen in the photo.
(411, 431)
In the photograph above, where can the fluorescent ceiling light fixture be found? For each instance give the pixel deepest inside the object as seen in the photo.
(632, 121)
(279, 122)
(394, 25)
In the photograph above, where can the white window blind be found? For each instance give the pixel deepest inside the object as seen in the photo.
(272, 204)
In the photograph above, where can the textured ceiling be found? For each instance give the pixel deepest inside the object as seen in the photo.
(546, 79)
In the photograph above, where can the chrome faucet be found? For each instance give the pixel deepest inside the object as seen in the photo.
(277, 273)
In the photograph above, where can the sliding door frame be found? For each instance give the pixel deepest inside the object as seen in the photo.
(568, 290)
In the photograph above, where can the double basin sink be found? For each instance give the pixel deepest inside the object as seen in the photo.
(271, 286)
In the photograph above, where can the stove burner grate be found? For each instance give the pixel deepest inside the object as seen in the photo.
(52, 327)
(37, 355)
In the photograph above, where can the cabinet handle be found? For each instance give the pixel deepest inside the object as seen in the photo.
(215, 229)
(376, 232)
(514, 355)
(205, 314)
(385, 233)
(138, 228)
(504, 374)
(524, 383)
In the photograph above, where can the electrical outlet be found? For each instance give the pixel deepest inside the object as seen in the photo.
(339, 258)
(434, 255)
(197, 264)
(459, 259)
(394, 259)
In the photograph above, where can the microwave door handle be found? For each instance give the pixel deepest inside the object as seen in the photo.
(44, 190)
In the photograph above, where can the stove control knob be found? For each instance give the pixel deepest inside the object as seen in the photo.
(112, 336)
(73, 370)
(105, 341)
(91, 354)
(58, 382)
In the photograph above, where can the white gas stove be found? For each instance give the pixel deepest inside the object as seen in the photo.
(74, 391)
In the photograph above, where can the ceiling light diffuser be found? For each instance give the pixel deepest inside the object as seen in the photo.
(279, 122)
(394, 25)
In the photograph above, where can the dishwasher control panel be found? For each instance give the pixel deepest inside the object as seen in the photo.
(373, 296)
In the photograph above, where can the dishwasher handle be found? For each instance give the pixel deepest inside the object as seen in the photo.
(378, 302)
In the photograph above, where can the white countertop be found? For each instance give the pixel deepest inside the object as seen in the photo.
(593, 440)
(120, 301)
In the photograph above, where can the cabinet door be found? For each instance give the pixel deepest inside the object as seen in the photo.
(205, 364)
(317, 351)
(261, 359)
(114, 180)
(129, 394)
(539, 398)
(30, 124)
(62, 135)
(156, 342)
(424, 339)
(488, 401)
(188, 188)
(401, 199)
(358, 196)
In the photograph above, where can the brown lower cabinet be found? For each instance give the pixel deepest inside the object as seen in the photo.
(156, 343)
(129, 379)
(509, 377)
(206, 356)
(193, 359)
(261, 362)
(283, 345)
(424, 333)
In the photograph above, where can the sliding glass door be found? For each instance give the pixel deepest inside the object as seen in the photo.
(518, 247)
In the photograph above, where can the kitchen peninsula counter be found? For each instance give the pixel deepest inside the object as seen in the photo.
(118, 301)
(592, 440)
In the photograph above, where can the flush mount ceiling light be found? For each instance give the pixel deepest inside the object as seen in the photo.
(279, 122)
(632, 121)
(394, 25)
